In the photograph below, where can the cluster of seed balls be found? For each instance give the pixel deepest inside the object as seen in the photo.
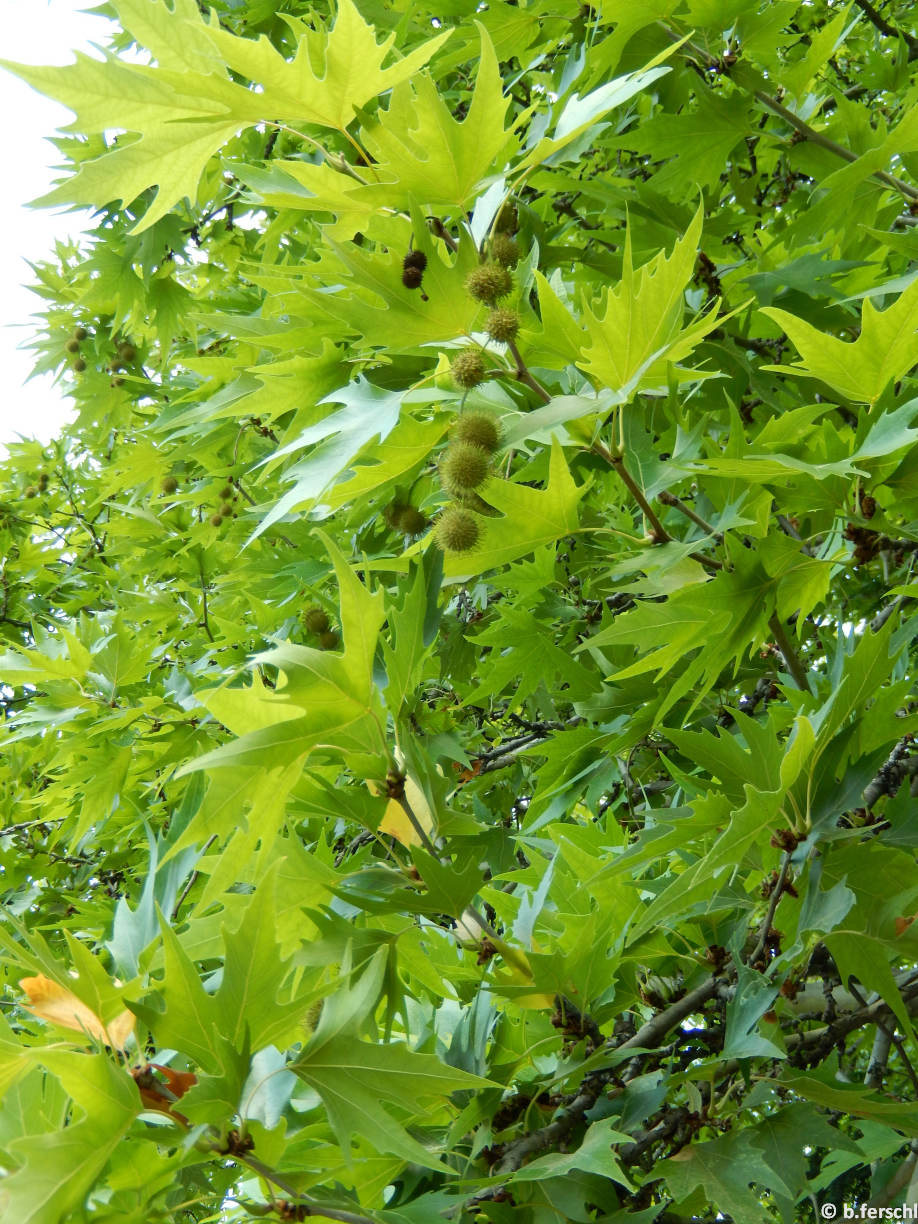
(466, 462)
(125, 353)
(227, 496)
(488, 283)
(33, 490)
(315, 620)
(464, 467)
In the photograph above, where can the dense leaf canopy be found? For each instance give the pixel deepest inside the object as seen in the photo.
(456, 667)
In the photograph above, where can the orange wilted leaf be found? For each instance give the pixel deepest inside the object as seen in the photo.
(159, 1095)
(58, 1005)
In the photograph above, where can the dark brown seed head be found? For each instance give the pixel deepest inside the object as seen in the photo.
(415, 259)
(316, 620)
(412, 277)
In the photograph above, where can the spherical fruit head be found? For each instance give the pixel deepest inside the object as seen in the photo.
(412, 277)
(72, 345)
(505, 250)
(503, 325)
(463, 468)
(415, 259)
(31, 491)
(216, 520)
(457, 530)
(478, 429)
(226, 510)
(488, 282)
(328, 640)
(468, 368)
(410, 521)
(80, 333)
(316, 620)
(127, 352)
(508, 219)
(226, 492)
(79, 365)
(168, 484)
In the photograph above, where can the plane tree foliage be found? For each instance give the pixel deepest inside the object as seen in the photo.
(457, 664)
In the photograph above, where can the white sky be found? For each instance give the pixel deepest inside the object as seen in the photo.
(37, 32)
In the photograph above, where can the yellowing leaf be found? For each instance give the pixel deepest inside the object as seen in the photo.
(58, 1005)
(182, 110)
(395, 821)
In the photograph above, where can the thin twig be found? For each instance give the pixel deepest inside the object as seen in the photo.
(808, 133)
(524, 375)
(204, 622)
(670, 499)
(311, 1206)
(893, 1037)
(194, 875)
(776, 894)
(791, 661)
(8, 830)
(889, 30)
(661, 535)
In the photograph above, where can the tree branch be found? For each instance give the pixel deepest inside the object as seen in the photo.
(889, 30)
(808, 133)
(791, 661)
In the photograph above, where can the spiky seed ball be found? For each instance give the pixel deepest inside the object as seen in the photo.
(463, 468)
(508, 219)
(468, 368)
(126, 351)
(412, 277)
(216, 520)
(31, 491)
(79, 365)
(415, 259)
(505, 250)
(72, 345)
(457, 530)
(80, 333)
(316, 620)
(226, 492)
(488, 282)
(226, 510)
(328, 640)
(168, 484)
(478, 429)
(503, 324)
(410, 521)
(117, 382)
